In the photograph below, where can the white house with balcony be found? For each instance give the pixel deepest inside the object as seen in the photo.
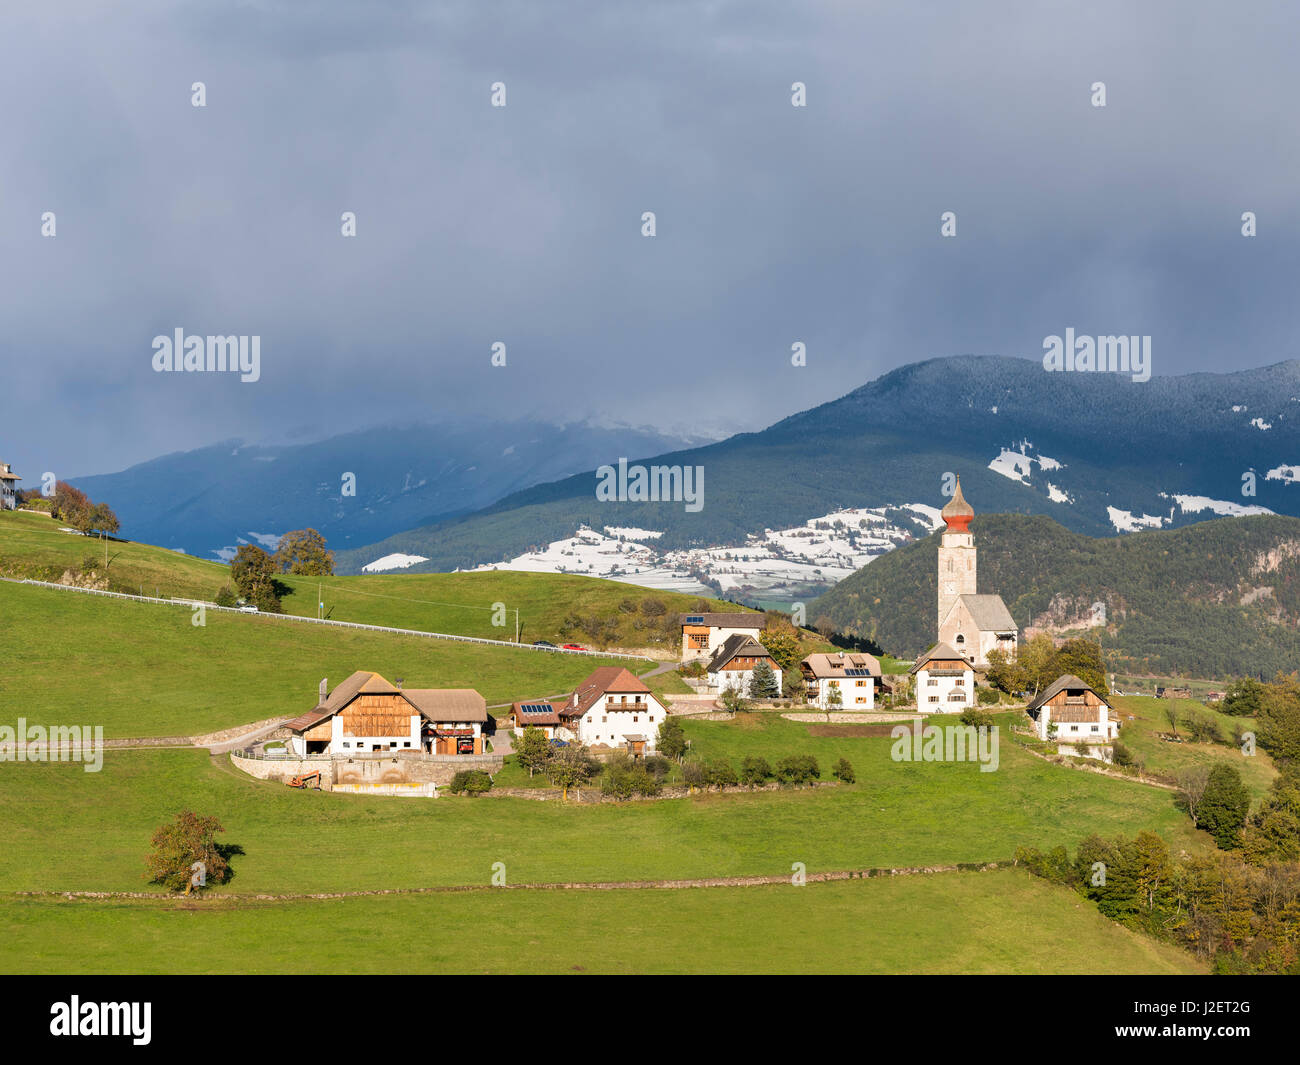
(841, 681)
(945, 681)
(613, 709)
(8, 487)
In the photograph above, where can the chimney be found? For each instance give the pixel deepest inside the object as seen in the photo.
(324, 687)
(398, 682)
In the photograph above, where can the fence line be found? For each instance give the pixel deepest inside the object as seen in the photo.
(327, 621)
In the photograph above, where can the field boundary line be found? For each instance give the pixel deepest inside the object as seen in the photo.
(327, 621)
(593, 885)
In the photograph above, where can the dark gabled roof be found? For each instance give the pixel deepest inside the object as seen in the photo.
(736, 646)
(1069, 680)
(939, 651)
(752, 620)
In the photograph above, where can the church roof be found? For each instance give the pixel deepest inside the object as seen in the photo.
(957, 513)
(988, 612)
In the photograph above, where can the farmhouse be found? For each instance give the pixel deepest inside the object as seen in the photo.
(971, 624)
(8, 487)
(843, 681)
(1077, 711)
(703, 634)
(539, 713)
(366, 713)
(611, 708)
(733, 664)
(945, 681)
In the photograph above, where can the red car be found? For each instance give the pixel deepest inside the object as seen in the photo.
(574, 647)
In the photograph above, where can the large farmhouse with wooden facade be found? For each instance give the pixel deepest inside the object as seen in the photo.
(611, 709)
(733, 664)
(1078, 712)
(366, 714)
(703, 634)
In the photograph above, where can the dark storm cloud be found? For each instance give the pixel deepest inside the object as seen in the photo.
(522, 224)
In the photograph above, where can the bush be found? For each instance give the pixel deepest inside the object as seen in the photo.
(1224, 806)
(225, 596)
(470, 782)
(843, 771)
(721, 773)
(91, 562)
(797, 769)
(987, 696)
(657, 766)
(755, 771)
(694, 774)
(978, 718)
(653, 608)
(1121, 755)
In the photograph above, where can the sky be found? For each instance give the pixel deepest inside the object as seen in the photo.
(523, 224)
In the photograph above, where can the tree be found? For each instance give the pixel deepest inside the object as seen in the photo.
(533, 750)
(672, 738)
(1191, 788)
(1243, 697)
(67, 501)
(303, 551)
(1037, 657)
(762, 682)
(1224, 806)
(755, 770)
(1082, 657)
(843, 771)
(834, 698)
(570, 767)
(782, 643)
(1279, 718)
(178, 846)
(1006, 673)
(1273, 834)
(252, 571)
(732, 700)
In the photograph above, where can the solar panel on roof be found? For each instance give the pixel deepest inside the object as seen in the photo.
(857, 672)
(536, 708)
(695, 619)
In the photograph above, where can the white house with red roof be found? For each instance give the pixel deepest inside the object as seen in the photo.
(613, 709)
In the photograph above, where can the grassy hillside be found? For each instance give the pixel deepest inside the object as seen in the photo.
(994, 922)
(1214, 599)
(141, 669)
(553, 607)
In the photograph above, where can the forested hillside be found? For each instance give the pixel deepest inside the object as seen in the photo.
(1215, 599)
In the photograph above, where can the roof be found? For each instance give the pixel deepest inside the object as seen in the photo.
(737, 645)
(448, 704)
(989, 612)
(536, 712)
(957, 513)
(843, 664)
(749, 620)
(600, 682)
(939, 651)
(436, 704)
(1069, 680)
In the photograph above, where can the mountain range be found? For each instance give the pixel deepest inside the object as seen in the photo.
(209, 500)
(1099, 453)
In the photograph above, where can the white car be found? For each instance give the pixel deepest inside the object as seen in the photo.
(248, 610)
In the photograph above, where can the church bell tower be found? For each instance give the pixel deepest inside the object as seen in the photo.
(956, 554)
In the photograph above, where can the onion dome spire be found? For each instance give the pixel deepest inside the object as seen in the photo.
(958, 513)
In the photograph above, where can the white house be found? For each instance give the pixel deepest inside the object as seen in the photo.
(841, 681)
(366, 714)
(8, 487)
(945, 681)
(611, 708)
(1078, 713)
(703, 634)
(733, 665)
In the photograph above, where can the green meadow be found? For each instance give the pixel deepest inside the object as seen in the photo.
(993, 922)
(141, 669)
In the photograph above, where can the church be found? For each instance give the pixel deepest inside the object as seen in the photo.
(970, 623)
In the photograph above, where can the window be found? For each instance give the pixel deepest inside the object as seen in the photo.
(589, 720)
(604, 719)
(931, 682)
(634, 719)
(1096, 728)
(934, 698)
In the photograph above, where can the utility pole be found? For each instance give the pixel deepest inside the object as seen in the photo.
(516, 624)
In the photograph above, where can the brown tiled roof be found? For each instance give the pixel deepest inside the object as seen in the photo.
(1069, 680)
(448, 704)
(603, 680)
(751, 620)
(553, 718)
(342, 694)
